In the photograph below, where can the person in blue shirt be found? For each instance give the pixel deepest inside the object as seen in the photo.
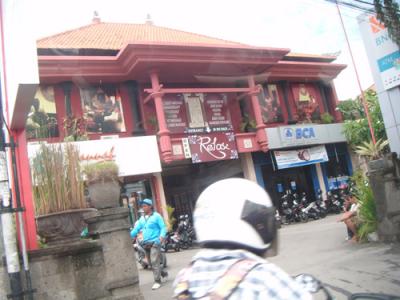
(154, 231)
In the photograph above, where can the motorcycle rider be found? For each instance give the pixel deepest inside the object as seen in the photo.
(234, 220)
(154, 231)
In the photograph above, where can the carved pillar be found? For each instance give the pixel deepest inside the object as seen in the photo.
(261, 134)
(67, 86)
(163, 133)
(111, 226)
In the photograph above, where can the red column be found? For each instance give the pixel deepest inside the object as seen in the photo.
(25, 187)
(261, 134)
(163, 133)
(334, 103)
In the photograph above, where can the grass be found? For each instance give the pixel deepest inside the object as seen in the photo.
(57, 181)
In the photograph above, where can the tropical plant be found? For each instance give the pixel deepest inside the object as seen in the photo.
(101, 172)
(57, 181)
(327, 118)
(356, 127)
(367, 209)
(171, 218)
(371, 150)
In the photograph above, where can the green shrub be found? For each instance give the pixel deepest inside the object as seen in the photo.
(101, 172)
(367, 209)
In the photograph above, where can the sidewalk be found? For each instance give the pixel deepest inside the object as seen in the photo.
(318, 248)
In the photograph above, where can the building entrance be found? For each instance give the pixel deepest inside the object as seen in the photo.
(297, 180)
(184, 181)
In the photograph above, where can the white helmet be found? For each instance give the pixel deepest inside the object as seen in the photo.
(235, 212)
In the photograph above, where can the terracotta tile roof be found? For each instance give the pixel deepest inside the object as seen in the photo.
(113, 36)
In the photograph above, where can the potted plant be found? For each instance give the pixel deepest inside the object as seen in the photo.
(103, 184)
(327, 118)
(58, 191)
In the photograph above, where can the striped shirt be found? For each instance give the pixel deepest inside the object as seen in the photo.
(265, 281)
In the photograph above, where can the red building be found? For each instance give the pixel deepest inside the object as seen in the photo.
(218, 109)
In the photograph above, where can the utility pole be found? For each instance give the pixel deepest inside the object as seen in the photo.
(8, 219)
(362, 95)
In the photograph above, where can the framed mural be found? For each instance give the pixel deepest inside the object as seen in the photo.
(270, 104)
(306, 99)
(42, 117)
(102, 109)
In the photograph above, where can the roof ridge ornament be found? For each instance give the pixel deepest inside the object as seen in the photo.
(149, 21)
(96, 18)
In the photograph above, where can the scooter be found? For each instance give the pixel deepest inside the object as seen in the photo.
(172, 242)
(141, 254)
(311, 208)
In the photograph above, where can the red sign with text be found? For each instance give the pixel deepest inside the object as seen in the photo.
(211, 147)
(216, 108)
(175, 113)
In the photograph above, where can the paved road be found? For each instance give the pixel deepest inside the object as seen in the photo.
(318, 248)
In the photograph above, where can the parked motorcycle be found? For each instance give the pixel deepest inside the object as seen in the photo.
(185, 232)
(311, 208)
(321, 205)
(332, 203)
(141, 257)
(172, 242)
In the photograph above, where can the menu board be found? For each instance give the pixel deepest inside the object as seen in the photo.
(175, 114)
(216, 110)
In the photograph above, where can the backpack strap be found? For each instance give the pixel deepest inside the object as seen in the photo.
(181, 291)
(229, 282)
(224, 286)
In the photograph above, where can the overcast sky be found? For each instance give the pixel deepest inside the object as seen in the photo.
(306, 26)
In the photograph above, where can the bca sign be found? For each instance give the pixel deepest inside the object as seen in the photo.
(298, 135)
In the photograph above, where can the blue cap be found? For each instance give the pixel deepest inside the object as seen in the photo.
(147, 201)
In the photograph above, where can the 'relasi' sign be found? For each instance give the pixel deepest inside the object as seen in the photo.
(211, 147)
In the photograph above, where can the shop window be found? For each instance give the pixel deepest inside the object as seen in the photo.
(102, 109)
(270, 104)
(307, 101)
(42, 118)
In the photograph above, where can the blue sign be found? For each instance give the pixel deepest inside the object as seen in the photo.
(299, 133)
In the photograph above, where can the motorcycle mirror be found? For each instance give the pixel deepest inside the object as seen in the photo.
(308, 282)
(372, 296)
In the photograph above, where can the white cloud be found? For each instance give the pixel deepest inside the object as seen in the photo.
(308, 26)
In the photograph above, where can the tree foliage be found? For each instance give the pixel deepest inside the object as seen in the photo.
(356, 127)
(387, 12)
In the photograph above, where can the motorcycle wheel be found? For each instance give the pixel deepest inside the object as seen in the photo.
(177, 248)
(304, 218)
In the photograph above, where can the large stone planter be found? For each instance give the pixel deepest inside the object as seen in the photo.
(62, 227)
(104, 194)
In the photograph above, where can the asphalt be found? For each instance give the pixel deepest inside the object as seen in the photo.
(318, 248)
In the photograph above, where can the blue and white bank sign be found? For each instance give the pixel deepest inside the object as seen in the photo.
(382, 50)
(298, 135)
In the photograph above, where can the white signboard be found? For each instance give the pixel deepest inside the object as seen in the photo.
(300, 157)
(134, 155)
(381, 50)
